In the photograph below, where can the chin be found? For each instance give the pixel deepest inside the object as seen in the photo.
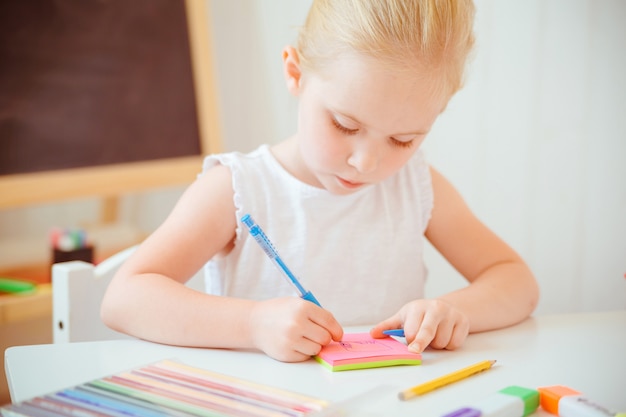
(338, 189)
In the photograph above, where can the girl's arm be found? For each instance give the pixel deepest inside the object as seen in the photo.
(147, 298)
(502, 289)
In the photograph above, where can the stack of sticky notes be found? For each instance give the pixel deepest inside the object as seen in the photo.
(360, 350)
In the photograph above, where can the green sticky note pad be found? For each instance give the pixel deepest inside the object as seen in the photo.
(361, 351)
(14, 286)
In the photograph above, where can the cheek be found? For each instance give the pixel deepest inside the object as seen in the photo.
(321, 150)
(321, 145)
(396, 160)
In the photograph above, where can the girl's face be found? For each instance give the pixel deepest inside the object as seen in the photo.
(360, 122)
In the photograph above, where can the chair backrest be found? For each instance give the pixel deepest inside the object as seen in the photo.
(77, 291)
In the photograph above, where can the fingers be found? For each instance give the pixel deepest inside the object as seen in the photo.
(426, 333)
(459, 334)
(308, 347)
(297, 329)
(393, 322)
(440, 332)
(320, 330)
(427, 322)
(327, 321)
(291, 330)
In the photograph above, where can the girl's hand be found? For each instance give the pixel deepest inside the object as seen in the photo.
(291, 329)
(427, 322)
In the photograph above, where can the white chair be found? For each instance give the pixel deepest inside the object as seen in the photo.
(77, 291)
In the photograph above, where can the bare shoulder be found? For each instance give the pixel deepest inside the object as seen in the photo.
(455, 231)
(201, 225)
(450, 215)
(447, 200)
(207, 205)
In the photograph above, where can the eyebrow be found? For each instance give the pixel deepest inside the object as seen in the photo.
(357, 121)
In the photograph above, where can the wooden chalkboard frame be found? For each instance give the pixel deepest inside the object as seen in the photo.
(116, 179)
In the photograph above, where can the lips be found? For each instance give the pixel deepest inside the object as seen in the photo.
(349, 184)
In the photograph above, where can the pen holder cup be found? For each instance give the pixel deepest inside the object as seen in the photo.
(80, 254)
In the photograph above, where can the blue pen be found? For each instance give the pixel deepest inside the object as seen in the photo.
(394, 332)
(269, 250)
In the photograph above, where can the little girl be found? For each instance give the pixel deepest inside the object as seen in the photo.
(347, 200)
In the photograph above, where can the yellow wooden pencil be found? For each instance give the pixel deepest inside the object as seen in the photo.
(445, 380)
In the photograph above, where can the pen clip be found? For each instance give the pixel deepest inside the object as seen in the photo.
(308, 295)
(257, 233)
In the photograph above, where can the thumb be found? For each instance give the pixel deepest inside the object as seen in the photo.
(392, 322)
(328, 322)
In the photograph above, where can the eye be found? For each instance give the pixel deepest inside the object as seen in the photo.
(401, 144)
(343, 129)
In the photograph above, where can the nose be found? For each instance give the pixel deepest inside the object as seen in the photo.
(364, 156)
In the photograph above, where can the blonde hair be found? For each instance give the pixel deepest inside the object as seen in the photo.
(436, 35)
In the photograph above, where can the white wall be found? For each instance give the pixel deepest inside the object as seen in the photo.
(536, 142)
(249, 38)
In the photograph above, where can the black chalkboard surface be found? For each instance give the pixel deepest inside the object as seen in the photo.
(103, 97)
(94, 82)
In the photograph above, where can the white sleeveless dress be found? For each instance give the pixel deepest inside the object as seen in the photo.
(360, 254)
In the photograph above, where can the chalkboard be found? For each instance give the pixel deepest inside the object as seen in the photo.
(89, 83)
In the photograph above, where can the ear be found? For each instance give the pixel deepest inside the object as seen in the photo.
(291, 69)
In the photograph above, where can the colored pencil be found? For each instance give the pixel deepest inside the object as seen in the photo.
(445, 380)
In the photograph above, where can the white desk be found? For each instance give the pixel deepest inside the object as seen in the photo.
(586, 352)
